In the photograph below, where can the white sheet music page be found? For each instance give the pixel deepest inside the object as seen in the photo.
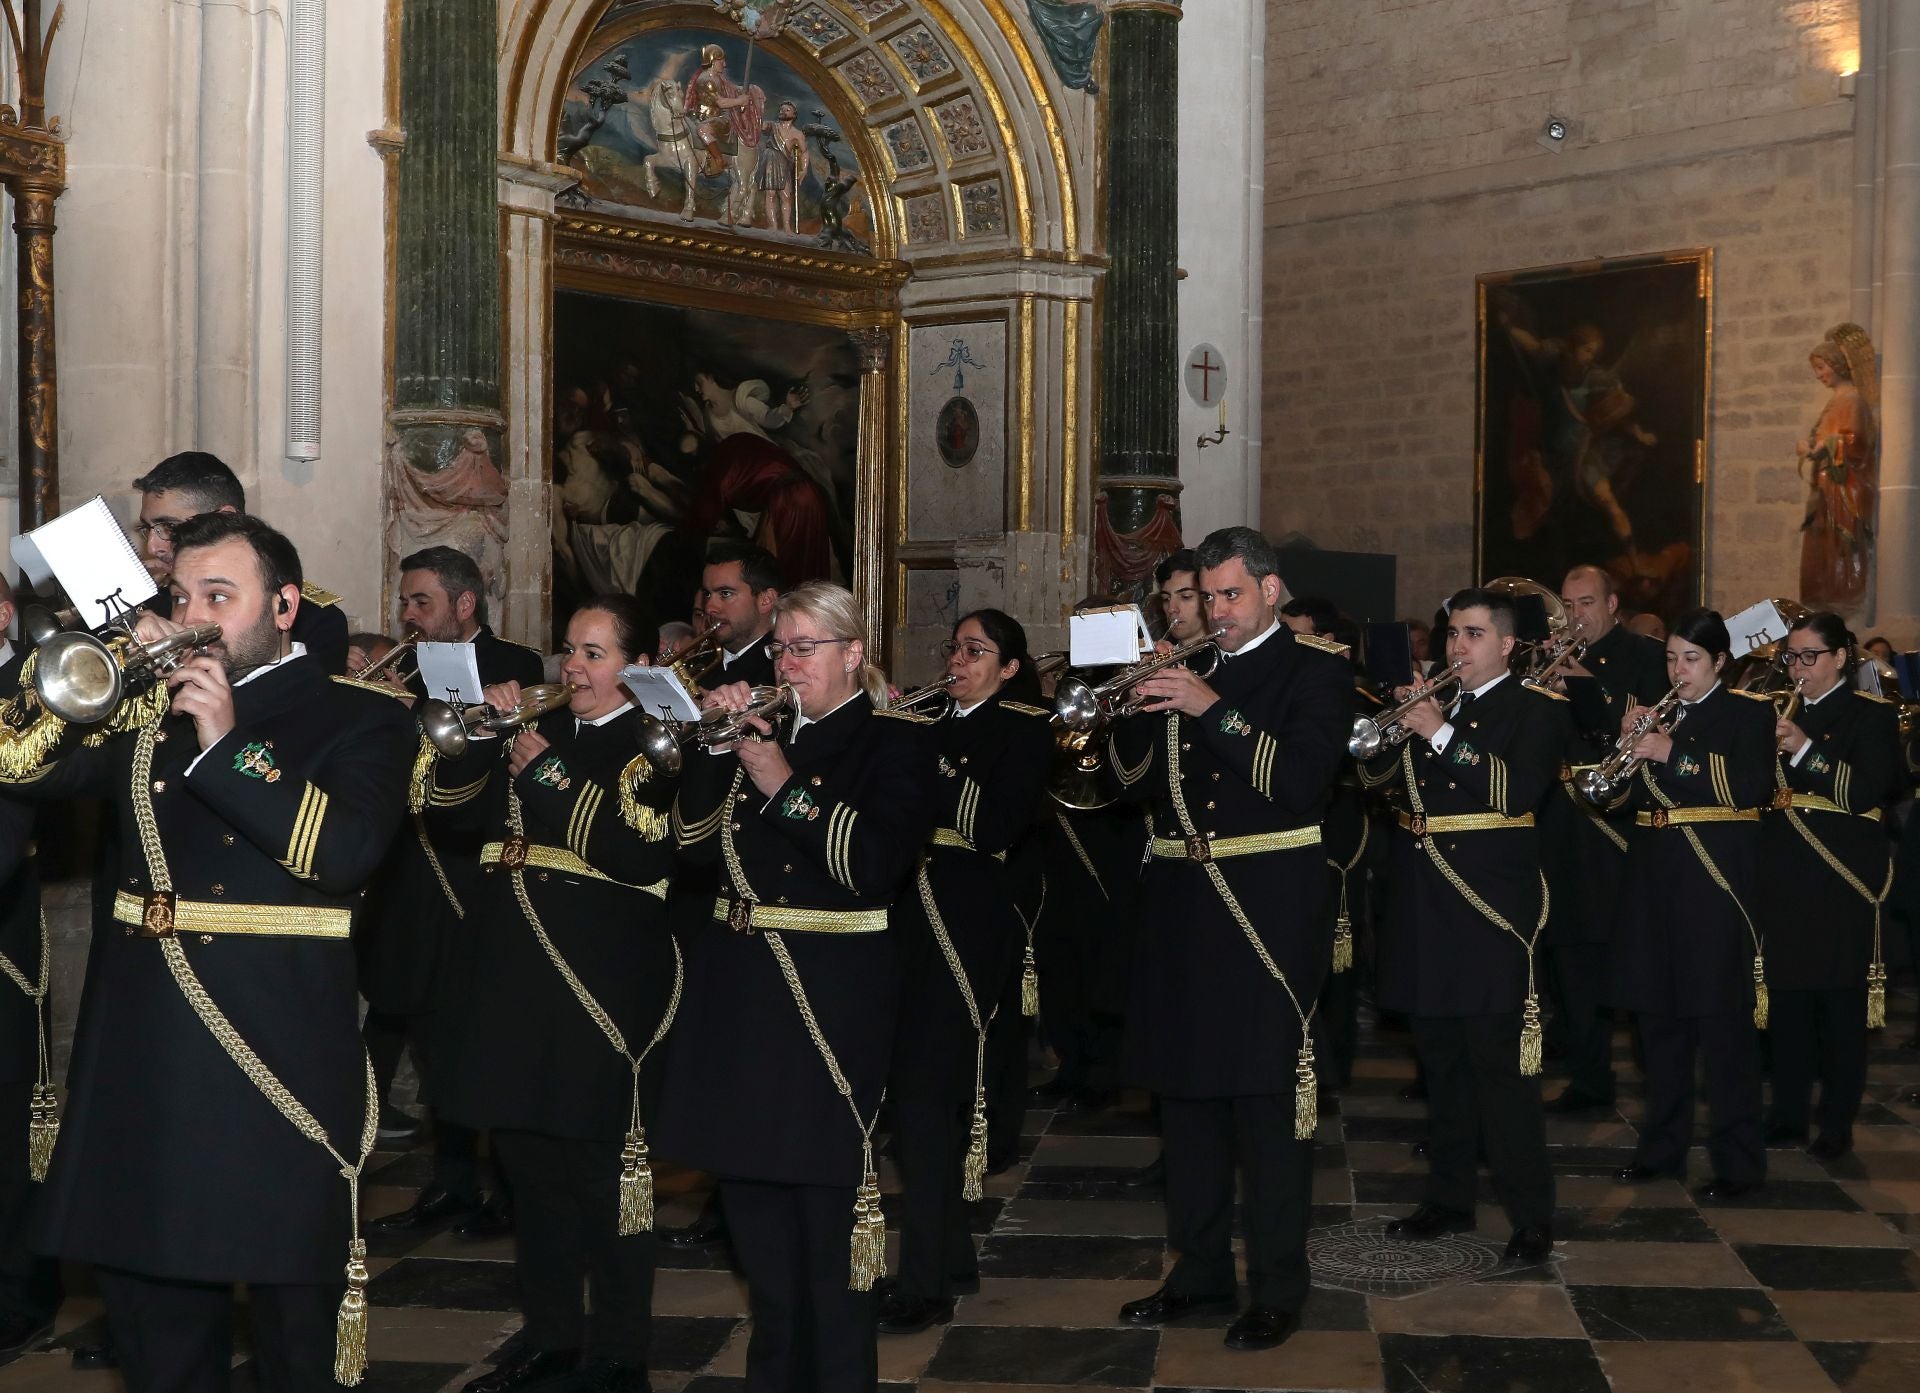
(87, 554)
(658, 692)
(450, 668)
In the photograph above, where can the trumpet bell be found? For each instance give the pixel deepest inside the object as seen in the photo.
(445, 728)
(1596, 787)
(660, 747)
(78, 677)
(41, 624)
(1082, 779)
(1366, 740)
(1077, 706)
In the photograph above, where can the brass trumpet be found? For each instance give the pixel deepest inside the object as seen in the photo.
(451, 729)
(665, 741)
(698, 663)
(1083, 708)
(379, 667)
(1603, 783)
(1372, 734)
(82, 678)
(937, 696)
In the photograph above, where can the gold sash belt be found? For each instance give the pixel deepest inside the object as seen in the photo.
(1815, 803)
(947, 836)
(1680, 817)
(258, 920)
(554, 858)
(1423, 826)
(741, 915)
(1204, 849)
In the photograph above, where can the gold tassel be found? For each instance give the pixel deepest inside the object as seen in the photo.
(422, 776)
(1029, 986)
(42, 1131)
(1343, 942)
(350, 1331)
(23, 752)
(1876, 995)
(869, 1235)
(973, 1172)
(636, 1185)
(1760, 1002)
(650, 823)
(1530, 1036)
(1306, 1094)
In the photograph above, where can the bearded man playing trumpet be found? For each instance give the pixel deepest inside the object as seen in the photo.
(1236, 936)
(219, 1092)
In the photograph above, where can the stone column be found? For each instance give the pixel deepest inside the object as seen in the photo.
(1136, 509)
(1897, 550)
(870, 576)
(39, 382)
(446, 350)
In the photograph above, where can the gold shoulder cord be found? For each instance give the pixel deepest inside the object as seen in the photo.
(973, 1171)
(1877, 968)
(1343, 921)
(869, 1247)
(43, 1114)
(636, 1169)
(1760, 999)
(417, 792)
(1530, 1032)
(350, 1335)
(1306, 1102)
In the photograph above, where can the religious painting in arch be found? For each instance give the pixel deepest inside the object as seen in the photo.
(1591, 432)
(675, 425)
(709, 124)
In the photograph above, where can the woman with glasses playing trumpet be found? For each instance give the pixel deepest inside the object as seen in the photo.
(780, 1059)
(570, 979)
(961, 943)
(1688, 955)
(1827, 866)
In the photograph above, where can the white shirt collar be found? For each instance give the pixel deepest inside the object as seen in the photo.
(298, 650)
(1252, 644)
(1486, 687)
(1841, 685)
(963, 711)
(728, 657)
(1710, 691)
(612, 715)
(801, 720)
(6, 650)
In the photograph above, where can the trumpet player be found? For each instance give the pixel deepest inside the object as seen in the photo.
(413, 940)
(1585, 846)
(1687, 953)
(1235, 937)
(219, 1112)
(1827, 869)
(569, 981)
(781, 1052)
(1465, 906)
(961, 941)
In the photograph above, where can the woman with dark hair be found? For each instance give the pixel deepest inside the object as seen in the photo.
(961, 943)
(1828, 868)
(574, 981)
(1687, 954)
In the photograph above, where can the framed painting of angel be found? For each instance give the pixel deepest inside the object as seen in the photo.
(1591, 429)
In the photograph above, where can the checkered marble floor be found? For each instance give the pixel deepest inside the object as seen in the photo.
(1811, 1283)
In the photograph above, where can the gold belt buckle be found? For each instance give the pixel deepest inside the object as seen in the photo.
(156, 917)
(1199, 849)
(1783, 798)
(1660, 817)
(740, 917)
(1417, 824)
(513, 853)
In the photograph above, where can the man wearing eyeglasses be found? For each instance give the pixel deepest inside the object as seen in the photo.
(193, 482)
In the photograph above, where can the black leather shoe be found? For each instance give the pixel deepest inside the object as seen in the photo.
(709, 1228)
(1530, 1243)
(1164, 1306)
(1261, 1327)
(1574, 1103)
(1722, 1189)
(1827, 1147)
(433, 1205)
(525, 1369)
(22, 1331)
(494, 1219)
(396, 1126)
(1430, 1221)
(1150, 1176)
(901, 1314)
(98, 1352)
(1637, 1174)
(1783, 1135)
(608, 1376)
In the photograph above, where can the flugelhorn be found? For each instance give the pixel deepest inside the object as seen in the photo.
(1372, 734)
(1082, 707)
(451, 729)
(82, 678)
(665, 741)
(1601, 784)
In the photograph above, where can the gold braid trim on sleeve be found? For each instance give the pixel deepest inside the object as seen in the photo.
(652, 824)
(421, 781)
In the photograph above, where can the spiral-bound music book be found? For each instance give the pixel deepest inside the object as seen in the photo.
(86, 553)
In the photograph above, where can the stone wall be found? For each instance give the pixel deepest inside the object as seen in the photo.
(1404, 162)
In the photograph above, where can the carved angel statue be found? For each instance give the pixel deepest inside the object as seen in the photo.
(1841, 457)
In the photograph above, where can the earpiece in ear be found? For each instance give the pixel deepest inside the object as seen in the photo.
(283, 604)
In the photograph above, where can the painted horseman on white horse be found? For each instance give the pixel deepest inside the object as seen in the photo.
(710, 128)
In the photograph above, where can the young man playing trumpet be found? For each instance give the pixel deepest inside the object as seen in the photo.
(1465, 905)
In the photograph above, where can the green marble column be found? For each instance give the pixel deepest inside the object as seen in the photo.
(1139, 353)
(446, 349)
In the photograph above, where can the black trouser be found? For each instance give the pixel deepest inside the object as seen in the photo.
(811, 1332)
(29, 1284)
(1818, 1035)
(1475, 1091)
(930, 1139)
(1337, 1030)
(1579, 971)
(177, 1337)
(1006, 1072)
(1064, 959)
(456, 1149)
(1205, 1139)
(566, 1219)
(1730, 1047)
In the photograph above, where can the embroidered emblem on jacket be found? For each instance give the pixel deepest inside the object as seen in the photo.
(551, 772)
(256, 762)
(1686, 765)
(1817, 762)
(1233, 723)
(1463, 753)
(799, 806)
(947, 769)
